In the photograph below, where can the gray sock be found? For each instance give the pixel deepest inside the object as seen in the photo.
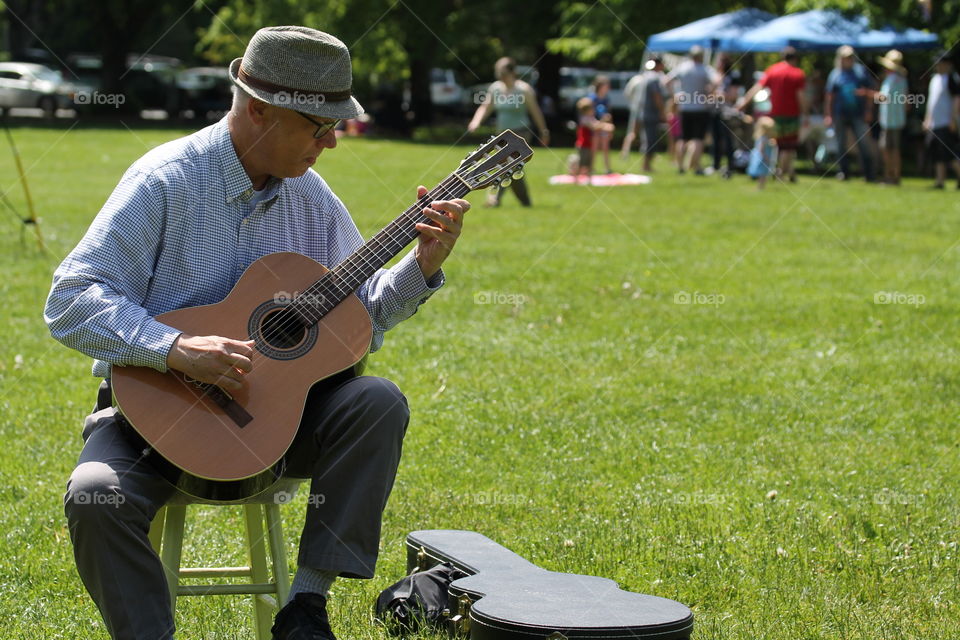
(312, 581)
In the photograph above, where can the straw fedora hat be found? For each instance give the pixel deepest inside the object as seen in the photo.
(298, 68)
(893, 60)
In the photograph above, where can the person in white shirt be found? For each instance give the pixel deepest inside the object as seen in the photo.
(940, 121)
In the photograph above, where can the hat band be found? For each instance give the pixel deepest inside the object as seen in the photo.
(331, 96)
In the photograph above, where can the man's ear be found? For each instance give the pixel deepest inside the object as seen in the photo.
(257, 111)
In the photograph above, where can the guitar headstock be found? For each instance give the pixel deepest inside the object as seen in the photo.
(497, 161)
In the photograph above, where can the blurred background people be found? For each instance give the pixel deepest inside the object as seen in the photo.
(515, 103)
(601, 105)
(648, 101)
(786, 82)
(695, 83)
(892, 98)
(763, 156)
(940, 122)
(588, 126)
(848, 111)
(727, 89)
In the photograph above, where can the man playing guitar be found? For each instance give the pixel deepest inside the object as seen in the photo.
(178, 231)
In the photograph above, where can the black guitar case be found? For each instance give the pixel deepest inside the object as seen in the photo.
(506, 597)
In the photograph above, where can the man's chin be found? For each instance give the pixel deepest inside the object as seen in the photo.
(302, 168)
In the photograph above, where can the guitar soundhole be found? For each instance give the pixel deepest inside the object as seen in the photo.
(280, 333)
(282, 329)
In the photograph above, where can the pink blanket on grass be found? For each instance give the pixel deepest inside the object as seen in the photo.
(603, 179)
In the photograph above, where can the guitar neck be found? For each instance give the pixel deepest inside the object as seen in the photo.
(345, 278)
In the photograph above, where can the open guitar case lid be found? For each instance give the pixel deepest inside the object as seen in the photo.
(506, 597)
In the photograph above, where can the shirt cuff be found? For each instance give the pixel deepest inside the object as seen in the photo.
(410, 282)
(154, 345)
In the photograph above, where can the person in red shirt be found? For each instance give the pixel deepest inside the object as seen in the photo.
(587, 125)
(786, 83)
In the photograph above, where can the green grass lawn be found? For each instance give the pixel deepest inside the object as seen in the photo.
(780, 453)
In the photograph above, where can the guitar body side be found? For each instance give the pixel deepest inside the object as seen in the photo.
(195, 434)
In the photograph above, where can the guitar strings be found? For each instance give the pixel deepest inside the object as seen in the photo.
(379, 249)
(328, 286)
(375, 245)
(361, 258)
(393, 233)
(413, 214)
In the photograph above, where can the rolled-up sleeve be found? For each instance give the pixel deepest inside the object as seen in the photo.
(95, 302)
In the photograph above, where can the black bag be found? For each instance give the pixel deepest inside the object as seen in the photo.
(418, 599)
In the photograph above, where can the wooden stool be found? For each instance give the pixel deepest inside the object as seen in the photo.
(166, 535)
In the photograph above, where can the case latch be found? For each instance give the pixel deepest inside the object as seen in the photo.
(459, 624)
(421, 560)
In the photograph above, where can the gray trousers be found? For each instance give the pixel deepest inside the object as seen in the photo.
(349, 444)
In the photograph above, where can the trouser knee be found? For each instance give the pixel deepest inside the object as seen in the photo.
(386, 405)
(92, 491)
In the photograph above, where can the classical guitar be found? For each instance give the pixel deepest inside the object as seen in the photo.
(507, 597)
(220, 446)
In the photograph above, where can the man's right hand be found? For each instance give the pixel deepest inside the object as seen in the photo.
(212, 359)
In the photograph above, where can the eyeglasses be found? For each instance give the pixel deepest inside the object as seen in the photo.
(322, 127)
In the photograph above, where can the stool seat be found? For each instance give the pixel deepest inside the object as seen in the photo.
(166, 536)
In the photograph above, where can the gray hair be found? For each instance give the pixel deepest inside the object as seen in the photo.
(240, 98)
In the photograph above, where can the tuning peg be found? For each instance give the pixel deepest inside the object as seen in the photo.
(505, 182)
(518, 174)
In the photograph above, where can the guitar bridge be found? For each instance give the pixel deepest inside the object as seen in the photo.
(222, 399)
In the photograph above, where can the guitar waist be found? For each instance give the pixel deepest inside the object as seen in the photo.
(105, 400)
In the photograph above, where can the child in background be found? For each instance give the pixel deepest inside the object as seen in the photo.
(587, 125)
(763, 157)
(675, 135)
(601, 104)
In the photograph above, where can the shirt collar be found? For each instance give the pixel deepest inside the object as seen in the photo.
(236, 182)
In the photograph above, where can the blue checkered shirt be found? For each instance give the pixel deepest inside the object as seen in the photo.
(180, 229)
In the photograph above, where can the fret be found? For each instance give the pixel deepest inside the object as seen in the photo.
(497, 158)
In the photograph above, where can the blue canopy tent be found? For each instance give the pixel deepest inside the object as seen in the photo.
(888, 38)
(820, 30)
(710, 32)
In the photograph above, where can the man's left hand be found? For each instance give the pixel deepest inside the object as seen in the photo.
(438, 237)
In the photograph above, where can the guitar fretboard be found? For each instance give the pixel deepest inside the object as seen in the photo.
(345, 278)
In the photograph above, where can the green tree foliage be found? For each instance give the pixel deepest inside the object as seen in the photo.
(613, 33)
(943, 17)
(395, 41)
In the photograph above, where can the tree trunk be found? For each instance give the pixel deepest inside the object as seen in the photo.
(19, 38)
(548, 86)
(420, 102)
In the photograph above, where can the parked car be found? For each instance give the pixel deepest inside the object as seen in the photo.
(575, 83)
(204, 91)
(26, 84)
(445, 92)
(149, 81)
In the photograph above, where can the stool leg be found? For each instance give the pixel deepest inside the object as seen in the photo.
(156, 529)
(172, 546)
(263, 612)
(278, 553)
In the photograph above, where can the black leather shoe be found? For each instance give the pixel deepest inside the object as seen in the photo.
(303, 618)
